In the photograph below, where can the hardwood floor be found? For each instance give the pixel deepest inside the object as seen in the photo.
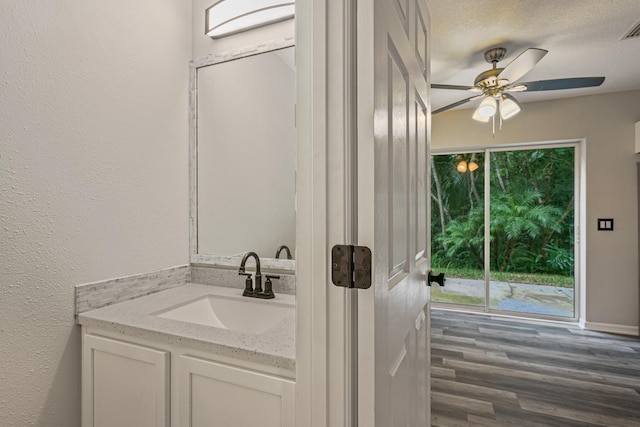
(496, 371)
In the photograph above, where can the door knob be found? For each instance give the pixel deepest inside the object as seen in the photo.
(438, 278)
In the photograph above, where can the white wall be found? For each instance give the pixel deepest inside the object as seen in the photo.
(93, 177)
(607, 122)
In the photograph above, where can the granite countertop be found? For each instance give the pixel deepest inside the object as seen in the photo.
(136, 318)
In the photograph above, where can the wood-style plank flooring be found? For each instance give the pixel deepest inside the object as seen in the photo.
(497, 371)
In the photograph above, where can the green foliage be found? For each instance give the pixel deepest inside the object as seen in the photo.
(559, 259)
(531, 212)
(466, 237)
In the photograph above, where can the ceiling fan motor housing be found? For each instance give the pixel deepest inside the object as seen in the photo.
(488, 81)
(494, 55)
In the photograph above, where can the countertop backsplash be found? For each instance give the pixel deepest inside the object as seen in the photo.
(100, 294)
(91, 296)
(229, 278)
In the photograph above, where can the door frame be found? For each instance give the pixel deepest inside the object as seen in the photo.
(324, 209)
(579, 302)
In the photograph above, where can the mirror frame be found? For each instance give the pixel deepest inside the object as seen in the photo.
(284, 265)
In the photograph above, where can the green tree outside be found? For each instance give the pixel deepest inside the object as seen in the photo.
(531, 215)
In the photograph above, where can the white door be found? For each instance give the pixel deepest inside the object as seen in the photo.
(393, 136)
(362, 105)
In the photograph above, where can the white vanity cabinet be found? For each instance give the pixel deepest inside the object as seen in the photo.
(124, 384)
(139, 384)
(211, 393)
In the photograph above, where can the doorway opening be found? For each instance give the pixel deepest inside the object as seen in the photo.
(504, 223)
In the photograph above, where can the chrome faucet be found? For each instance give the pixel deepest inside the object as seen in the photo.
(286, 249)
(249, 289)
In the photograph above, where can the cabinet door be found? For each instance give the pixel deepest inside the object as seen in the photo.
(123, 384)
(213, 394)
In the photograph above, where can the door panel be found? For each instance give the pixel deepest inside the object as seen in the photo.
(421, 186)
(402, 8)
(398, 156)
(421, 41)
(401, 383)
(393, 367)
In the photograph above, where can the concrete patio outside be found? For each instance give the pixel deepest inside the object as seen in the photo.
(515, 297)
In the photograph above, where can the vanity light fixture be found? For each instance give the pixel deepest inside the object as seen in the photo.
(228, 17)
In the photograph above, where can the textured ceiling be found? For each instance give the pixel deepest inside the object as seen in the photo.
(583, 38)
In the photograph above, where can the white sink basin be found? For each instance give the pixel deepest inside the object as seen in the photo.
(240, 314)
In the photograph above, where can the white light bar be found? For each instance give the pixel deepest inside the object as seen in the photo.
(234, 16)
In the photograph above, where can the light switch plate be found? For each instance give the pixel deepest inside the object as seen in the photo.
(605, 224)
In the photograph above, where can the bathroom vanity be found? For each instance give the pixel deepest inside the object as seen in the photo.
(159, 349)
(162, 360)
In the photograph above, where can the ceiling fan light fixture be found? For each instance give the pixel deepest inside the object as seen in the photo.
(461, 166)
(477, 117)
(473, 166)
(486, 109)
(509, 106)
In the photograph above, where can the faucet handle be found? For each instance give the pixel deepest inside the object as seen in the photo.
(248, 284)
(268, 290)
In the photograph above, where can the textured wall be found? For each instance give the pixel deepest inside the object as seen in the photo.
(607, 122)
(93, 177)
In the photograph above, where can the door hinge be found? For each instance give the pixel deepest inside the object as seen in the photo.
(351, 266)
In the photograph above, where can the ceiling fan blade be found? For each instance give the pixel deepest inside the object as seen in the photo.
(455, 104)
(558, 84)
(454, 87)
(522, 64)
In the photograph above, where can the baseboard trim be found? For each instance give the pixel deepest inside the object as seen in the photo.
(582, 323)
(612, 328)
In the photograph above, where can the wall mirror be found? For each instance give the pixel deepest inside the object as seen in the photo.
(242, 156)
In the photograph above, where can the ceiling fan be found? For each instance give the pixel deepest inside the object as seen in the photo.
(496, 84)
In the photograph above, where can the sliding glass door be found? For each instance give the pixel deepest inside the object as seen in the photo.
(532, 211)
(457, 227)
(503, 227)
